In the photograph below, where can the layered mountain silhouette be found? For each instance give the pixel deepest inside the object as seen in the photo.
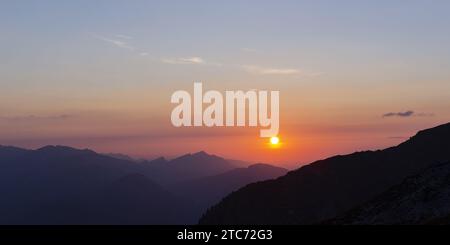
(122, 157)
(209, 190)
(420, 199)
(331, 187)
(406, 184)
(186, 167)
(136, 200)
(63, 185)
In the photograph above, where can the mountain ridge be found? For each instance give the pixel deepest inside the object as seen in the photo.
(210, 189)
(63, 185)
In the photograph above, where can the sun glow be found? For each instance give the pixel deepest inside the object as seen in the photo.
(274, 140)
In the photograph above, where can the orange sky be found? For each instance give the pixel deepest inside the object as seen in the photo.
(103, 78)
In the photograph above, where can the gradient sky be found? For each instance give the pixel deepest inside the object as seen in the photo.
(99, 74)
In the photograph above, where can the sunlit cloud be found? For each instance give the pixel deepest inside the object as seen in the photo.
(189, 60)
(270, 71)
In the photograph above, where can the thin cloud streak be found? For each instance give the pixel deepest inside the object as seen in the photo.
(270, 71)
(197, 60)
(184, 61)
(407, 114)
(115, 42)
(399, 114)
(123, 36)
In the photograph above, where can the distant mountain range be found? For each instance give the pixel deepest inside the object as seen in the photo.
(63, 185)
(186, 167)
(211, 189)
(405, 184)
(331, 187)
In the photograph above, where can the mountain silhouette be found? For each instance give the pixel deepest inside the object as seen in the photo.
(420, 199)
(122, 157)
(63, 185)
(186, 167)
(330, 187)
(9, 153)
(209, 190)
(47, 185)
(136, 200)
(56, 168)
(199, 164)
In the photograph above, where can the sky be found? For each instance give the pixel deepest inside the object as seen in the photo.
(352, 75)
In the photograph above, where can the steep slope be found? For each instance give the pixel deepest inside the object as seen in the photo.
(421, 199)
(327, 188)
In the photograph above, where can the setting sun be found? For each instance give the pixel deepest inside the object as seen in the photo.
(274, 140)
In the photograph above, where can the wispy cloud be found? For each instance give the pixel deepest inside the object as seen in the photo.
(399, 114)
(270, 71)
(407, 114)
(189, 60)
(122, 41)
(116, 42)
(123, 36)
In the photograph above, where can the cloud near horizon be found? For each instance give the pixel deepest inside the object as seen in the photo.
(399, 114)
(407, 114)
